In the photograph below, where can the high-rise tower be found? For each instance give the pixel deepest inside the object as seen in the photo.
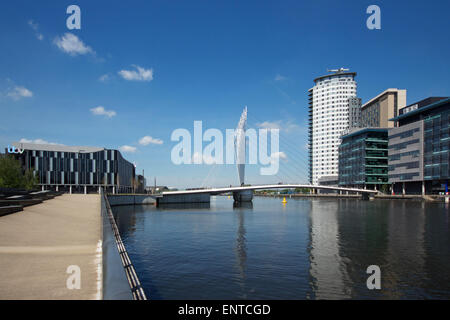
(328, 118)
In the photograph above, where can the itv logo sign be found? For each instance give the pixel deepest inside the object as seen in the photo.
(15, 150)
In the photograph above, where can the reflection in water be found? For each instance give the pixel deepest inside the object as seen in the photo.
(405, 249)
(243, 205)
(316, 249)
(199, 205)
(241, 249)
(327, 266)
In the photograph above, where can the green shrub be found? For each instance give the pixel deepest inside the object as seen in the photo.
(11, 175)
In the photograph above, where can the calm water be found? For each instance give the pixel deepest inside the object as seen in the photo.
(306, 249)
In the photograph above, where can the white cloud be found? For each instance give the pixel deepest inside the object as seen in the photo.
(140, 74)
(38, 141)
(71, 44)
(19, 92)
(279, 77)
(198, 158)
(126, 148)
(35, 27)
(104, 78)
(101, 111)
(286, 126)
(279, 155)
(269, 124)
(149, 140)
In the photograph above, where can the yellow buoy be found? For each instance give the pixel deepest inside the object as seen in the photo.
(284, 200)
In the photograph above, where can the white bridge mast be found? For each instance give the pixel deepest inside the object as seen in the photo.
(239, 145)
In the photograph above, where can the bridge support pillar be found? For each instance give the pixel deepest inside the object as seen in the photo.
(243, 196)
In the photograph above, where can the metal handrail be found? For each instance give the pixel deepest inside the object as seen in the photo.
(133, 280)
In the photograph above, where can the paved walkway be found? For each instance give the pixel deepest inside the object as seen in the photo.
(38, 244)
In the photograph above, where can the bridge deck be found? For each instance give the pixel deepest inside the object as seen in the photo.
(214, 191)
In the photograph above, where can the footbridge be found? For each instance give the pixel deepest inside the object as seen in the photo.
(245, 193)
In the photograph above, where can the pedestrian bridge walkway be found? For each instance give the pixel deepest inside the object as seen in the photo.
(215, 191)
(245, 193)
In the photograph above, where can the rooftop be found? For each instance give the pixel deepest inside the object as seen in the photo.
(390, 90)
(337, 72)
(422, 108)
(55, 147)
(358, 131)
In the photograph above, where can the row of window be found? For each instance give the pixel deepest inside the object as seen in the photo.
(404, 134)
(405, 165)
(403, 145)
(398, 156)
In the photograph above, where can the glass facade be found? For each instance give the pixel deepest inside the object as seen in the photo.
(405, 153)
(370, 116)
(431, 151)
(363, 158)
(437, 145)
(100, 168)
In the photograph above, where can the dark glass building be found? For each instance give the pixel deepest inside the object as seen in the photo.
(419, 160)
(76, 169)
(363, 159)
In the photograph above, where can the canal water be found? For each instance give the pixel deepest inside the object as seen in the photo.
(305, 249)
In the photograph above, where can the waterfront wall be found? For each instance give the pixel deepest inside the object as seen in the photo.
(120, 281)
(130, 199)
(115, 283)
(185, 198)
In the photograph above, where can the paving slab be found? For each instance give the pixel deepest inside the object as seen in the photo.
(40, 243)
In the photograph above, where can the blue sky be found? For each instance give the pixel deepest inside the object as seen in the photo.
(203, 60)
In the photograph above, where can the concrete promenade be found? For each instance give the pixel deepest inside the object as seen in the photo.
(38, 244)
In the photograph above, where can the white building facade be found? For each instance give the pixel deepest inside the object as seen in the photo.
(328, 119)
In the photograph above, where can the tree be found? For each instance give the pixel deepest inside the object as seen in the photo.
(30, 180)
(384, 188)
(11, 175)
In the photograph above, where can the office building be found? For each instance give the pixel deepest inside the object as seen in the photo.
(328, 119)
(354, 112)
(419, 148)
(141, 184)
(76, 169)
(378, 110)
(363, 159)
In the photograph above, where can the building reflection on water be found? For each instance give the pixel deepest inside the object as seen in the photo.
(409, 241)
(241, 245)
(330, 247)
(327, 267)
